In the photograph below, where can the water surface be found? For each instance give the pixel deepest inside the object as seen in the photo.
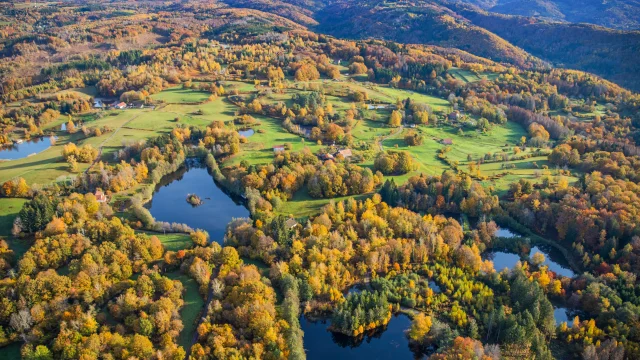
(389, 343)
(28, 147)
(246, 133)
(170, 204)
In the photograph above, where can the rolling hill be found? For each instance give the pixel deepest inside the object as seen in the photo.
(524, 41)
(617, 14)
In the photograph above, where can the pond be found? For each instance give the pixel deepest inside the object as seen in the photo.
(435, 287)
(502, 259)
(562, 314)
(388, 343)
(246, 133)
(26, 148)
(554, 259)
(170, 204)
(505, 233)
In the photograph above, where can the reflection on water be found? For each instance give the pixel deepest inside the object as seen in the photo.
(388, 343)
(435, 287)
(505, 233)
(502, 259)
(26, 148)
(246, 133)
(561, 314)
(218, 209)
(554, 259)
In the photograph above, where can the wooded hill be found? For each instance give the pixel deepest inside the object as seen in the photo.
(523, 41)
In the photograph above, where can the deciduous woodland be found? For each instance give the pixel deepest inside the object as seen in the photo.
(380, 178)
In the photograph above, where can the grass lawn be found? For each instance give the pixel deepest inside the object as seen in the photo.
(193, 304)
(259, 147)
(437, 104)
(262, 267)
(302, 205)
(44, 167)
(219, 109)
(468, 76)
(242, 87)
(85, 92)
(9, 209)
(474, 143)
(179, 95)
(173, 242)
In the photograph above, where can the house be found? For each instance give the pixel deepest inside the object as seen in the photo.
(376, 107)
(98, 104)
(326, 157)
(291, 223)
(455, 115)
(278, 148)
(120, 105)
(346, 153)
(100, 196)
(447, 142)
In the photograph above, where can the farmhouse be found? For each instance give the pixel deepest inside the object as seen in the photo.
(447, 142)
(98, 104)
(278, 148)
(326, 157)
(455, 115)
(100, 196)
(345, 153)
(120, 105)
(291, 223)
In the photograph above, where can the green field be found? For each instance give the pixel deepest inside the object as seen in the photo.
(9, 209)
(259, 147)
(193, 304)
(173, 242)
(180, 95)
(437, 104)
(469, 76)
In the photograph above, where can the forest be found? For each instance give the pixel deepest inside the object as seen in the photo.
(350, 183)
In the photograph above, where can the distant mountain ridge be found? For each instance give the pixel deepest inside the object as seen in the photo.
(617, 14)
(528, 42)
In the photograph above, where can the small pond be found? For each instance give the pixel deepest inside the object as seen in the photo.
(502, 259)
(26, 148)
(170, 204)
(554, 259)
(388, 343)
(561, 314)
(435, 287)
(505, 233)
(246, 133)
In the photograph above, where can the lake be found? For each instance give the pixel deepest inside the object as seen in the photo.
(28, 147)
(554, 259)
(169, 202)
(246, 133)
(388, 343)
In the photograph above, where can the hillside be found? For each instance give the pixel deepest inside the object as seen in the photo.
(422, 22)
(617, 14)
(611, 54)
(523, 41)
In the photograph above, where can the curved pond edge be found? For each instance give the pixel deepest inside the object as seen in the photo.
(533, 239)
